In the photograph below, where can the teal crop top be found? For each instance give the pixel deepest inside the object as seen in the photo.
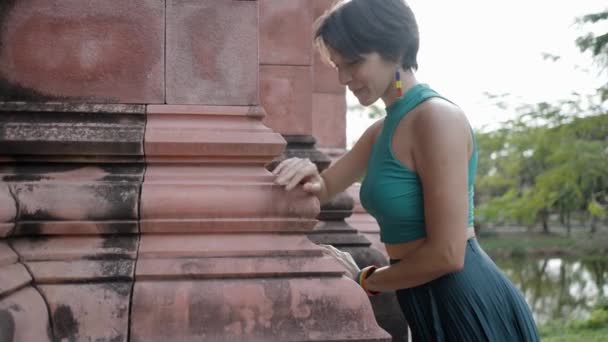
(391, 192)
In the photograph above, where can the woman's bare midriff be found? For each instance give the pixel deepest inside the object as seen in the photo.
(402, 250)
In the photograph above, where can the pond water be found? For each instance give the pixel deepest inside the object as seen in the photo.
(559, 288)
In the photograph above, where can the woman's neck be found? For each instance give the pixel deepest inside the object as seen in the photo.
(408, 80)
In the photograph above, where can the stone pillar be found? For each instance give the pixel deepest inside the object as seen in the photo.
(303, 99)
(134, 200)
(20, 302)
(329, 101)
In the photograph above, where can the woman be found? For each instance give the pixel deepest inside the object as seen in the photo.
(419, 164)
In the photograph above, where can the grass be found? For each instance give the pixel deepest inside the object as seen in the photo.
(593, 329)
(562, 335)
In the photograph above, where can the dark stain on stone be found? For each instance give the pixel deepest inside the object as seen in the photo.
(66, 326)
(73, 107)
(15, 307)
(49, 331)
(31, 172)
(22, 172)
(23, 178)
(124, 243)
(29, 229)
(71, 133)
(123, 311)
(119, 228)
(201, 314)
(5, 8)
(13, 92)
(122, 199)
(108, 256)
(123, 173)
(37, 215)
(117, 269)
(121, 289)
(118, 338)
(7, 326)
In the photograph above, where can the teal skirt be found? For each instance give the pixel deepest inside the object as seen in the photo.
(478, 303)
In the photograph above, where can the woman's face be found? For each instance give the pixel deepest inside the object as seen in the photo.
(369, 78)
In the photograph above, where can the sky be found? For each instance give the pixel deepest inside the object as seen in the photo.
(471, 47)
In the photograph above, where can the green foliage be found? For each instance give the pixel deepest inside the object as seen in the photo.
(596, 209)
(597, 43)
(522, 246)
(593, 329)
(550, 159)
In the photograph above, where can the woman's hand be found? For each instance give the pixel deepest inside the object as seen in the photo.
(294, 171)
(344, 258)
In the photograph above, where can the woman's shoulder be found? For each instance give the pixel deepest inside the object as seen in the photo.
(438, 113)
(374, 129)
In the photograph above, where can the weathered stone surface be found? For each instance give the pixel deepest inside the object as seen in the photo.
(75, 248)
(13, 277)
(65, 271)
(84, 51)
(213, 197)
(103, 199)
(286, 32)
(236, 267)
(210, 134)
(225, 206)
(86, 282)
(42, 201)
(24, 317)
(286, 94)
(89, 312)
(221, 243)
(8, 210)
(231, 256)
(325, 79)
(226, 245)
(78, 130)
(271, 309)
(7, 255)
(212, 52)
(329, 119)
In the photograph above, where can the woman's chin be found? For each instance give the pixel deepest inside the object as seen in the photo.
(364, 101)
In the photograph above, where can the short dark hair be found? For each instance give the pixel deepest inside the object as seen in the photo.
(357, 27)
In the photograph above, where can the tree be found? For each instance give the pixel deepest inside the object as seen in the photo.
(549, 160)
(596, 43)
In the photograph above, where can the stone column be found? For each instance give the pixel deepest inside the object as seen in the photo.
(303, 99)
(20, 302)
(134, 200)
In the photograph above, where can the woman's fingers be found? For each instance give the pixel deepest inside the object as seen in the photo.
(286, 169)
(284, 165)
(291, 172)
(344, 258)
(312, 187)
(305, 169)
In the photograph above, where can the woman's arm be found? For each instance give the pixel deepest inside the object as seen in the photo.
(441, 158)
(335, 179)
